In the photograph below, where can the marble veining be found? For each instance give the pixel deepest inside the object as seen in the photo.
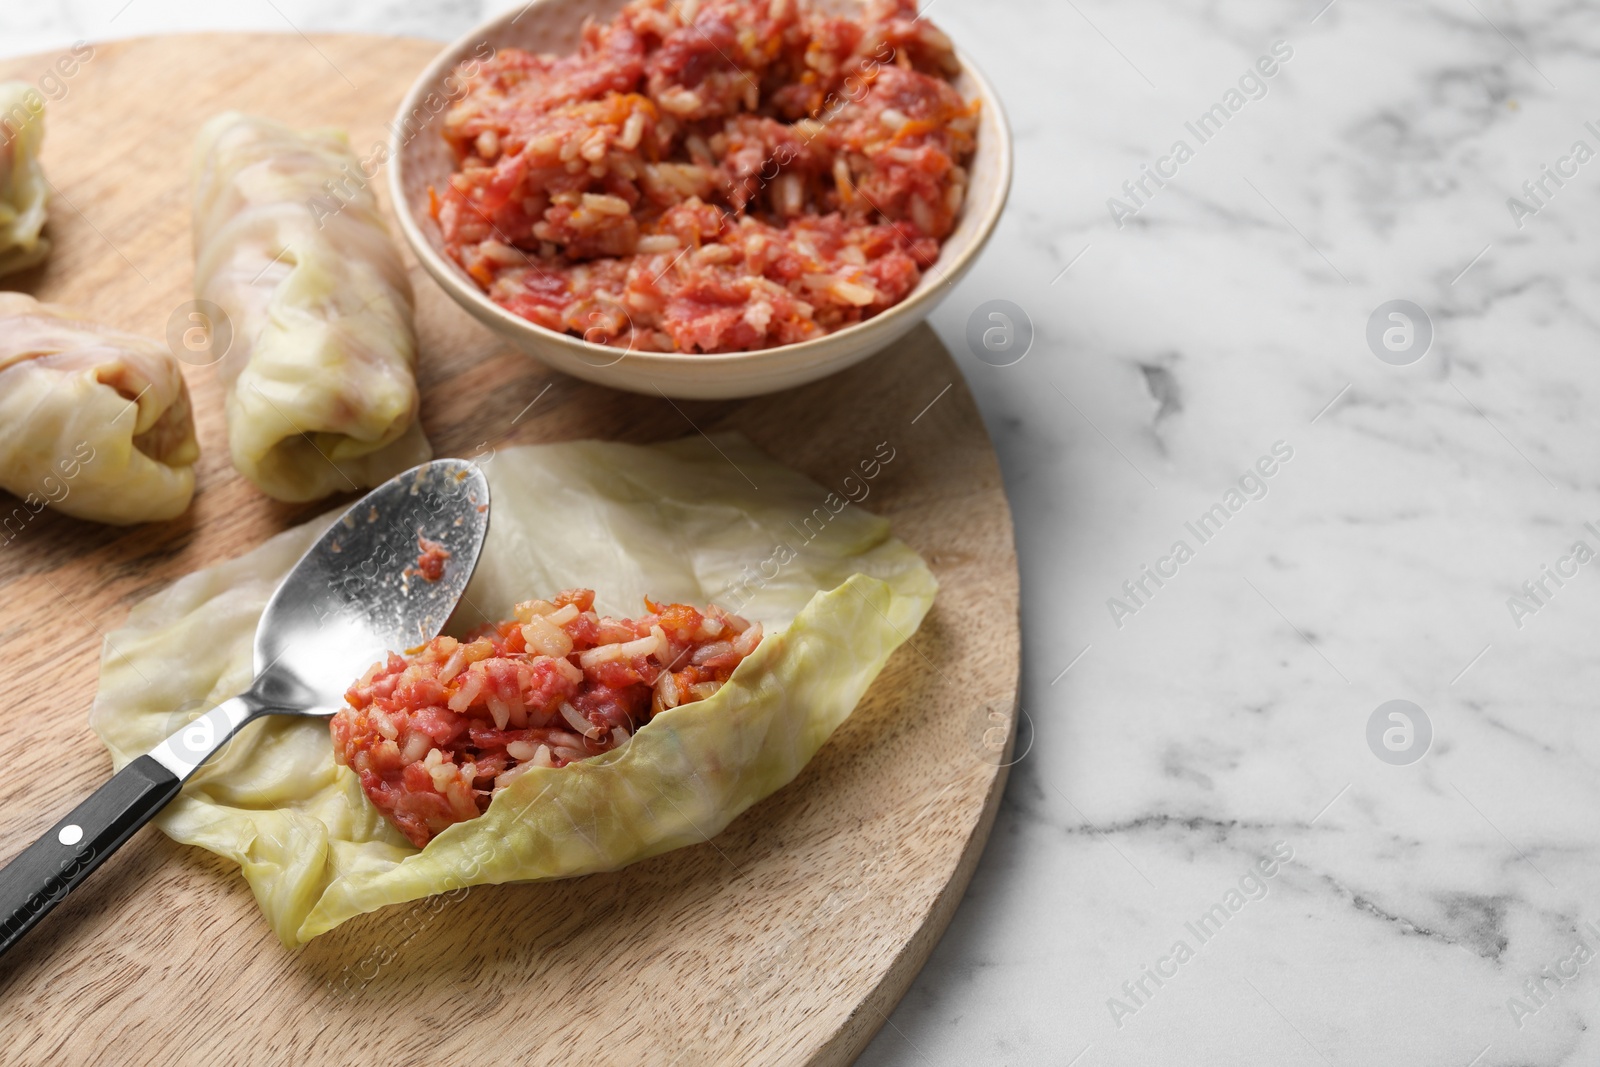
(1445, 911)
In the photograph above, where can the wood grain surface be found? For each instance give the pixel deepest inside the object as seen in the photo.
(785, 940)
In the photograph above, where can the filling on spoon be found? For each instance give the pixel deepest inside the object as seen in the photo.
(434, 734)
(431, 558)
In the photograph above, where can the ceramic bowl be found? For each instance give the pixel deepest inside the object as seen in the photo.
(421, 159)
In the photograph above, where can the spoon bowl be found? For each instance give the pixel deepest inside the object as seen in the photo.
(358, 594)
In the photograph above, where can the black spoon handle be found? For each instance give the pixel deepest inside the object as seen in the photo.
(43, 874)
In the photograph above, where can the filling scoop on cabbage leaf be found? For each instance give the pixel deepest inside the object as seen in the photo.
(436, 734)
(834, 592)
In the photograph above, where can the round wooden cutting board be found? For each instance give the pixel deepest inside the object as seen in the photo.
(785, 940)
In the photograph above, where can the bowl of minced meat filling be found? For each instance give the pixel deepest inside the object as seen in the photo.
(435, 733)
(707, 199)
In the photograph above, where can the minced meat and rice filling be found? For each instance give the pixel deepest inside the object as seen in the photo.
(711, 175)
(434, 734)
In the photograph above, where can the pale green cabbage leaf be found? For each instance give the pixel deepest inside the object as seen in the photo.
(683, 521)
(320, 365)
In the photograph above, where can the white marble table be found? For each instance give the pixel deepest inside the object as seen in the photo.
(1176, 746)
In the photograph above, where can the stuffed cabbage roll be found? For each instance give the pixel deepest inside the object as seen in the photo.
(93, 421)
(677, 522)
(23, 190)
(320, 371)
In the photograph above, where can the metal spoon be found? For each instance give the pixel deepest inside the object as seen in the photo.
(352, 598)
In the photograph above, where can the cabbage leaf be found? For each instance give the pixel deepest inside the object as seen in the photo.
(684, 521)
